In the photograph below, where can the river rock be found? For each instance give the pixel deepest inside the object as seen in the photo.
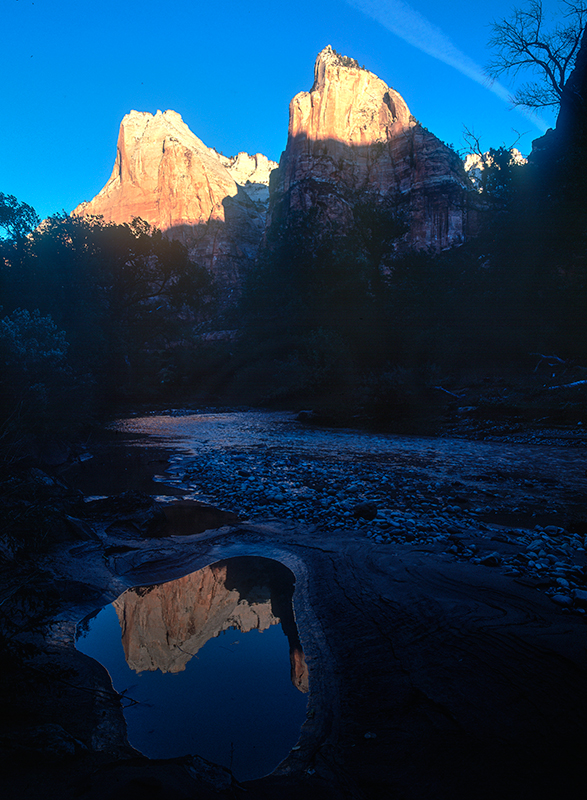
(186, 517)
(580, 596)
(562, 600)
(50, 741)
(212, 775)
(535, 545)
(365, 510)
(81, 529)
(553, 530)
(491, 560)
(129, 512)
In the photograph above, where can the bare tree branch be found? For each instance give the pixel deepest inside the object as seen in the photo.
(529, 40)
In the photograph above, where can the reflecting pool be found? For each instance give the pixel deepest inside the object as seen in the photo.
(210, 663)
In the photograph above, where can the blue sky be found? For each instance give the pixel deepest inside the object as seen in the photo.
(72, 68)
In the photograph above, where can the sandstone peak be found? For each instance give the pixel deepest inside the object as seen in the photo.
(167, 176)
(347, 103)
(159, 162)
(332, 65)
(352, 137)
(156, 126)
(247, 168)
(330, 57)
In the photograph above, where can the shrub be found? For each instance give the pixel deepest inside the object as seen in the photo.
(36, 383)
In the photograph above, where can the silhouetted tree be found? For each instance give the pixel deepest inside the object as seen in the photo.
(37, 384)
(126, 296)
(530, 40)
(16, 219)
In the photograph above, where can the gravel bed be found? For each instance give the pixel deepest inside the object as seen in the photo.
(491, 505)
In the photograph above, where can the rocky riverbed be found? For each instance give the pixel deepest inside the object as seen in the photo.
(440, 600)
(516, 506)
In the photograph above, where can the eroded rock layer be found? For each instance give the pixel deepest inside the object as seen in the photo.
(353, 138)
(167, 176)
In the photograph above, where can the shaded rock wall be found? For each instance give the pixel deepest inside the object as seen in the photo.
(560, 153)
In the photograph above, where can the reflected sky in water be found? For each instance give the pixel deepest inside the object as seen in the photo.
(237, 697)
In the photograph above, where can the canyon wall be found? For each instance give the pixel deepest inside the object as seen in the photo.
(167, 176)
(352, 138)
(560, 153)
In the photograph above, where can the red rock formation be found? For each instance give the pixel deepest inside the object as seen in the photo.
(164, 626)
(168, 177)
(352, 137)
(299, 670)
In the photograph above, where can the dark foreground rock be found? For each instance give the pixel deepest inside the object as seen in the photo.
(429, 677)
(445, 638)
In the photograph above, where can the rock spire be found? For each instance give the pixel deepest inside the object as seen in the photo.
(353, 137)
(167, 176)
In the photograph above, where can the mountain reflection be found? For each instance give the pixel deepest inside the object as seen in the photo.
(165, 625)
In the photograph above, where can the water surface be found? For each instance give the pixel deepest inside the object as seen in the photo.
(210, 664)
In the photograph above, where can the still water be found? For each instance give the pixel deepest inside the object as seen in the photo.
(210, 663)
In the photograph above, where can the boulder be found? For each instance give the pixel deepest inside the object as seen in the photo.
(132, 513)
(365, 510)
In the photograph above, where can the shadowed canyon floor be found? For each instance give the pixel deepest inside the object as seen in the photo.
(440, 597)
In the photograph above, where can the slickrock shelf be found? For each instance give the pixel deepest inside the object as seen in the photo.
(432, 671)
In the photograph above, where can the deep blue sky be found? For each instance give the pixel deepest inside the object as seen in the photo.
(71, 69)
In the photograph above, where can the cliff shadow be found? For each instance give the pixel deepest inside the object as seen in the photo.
(226, 248)
(412, 171)
(250, 575)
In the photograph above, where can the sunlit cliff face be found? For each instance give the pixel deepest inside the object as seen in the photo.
(351, 138)
(168, 177)
(347, 104)
(164, 626)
